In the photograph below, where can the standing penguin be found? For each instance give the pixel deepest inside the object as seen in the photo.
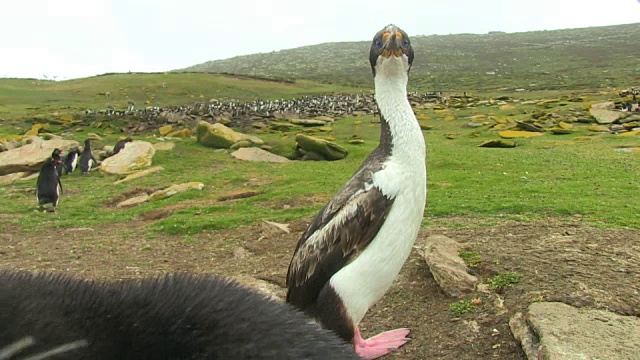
(71, 161)
(87, 160)
(121, 144)
(48, 185)
(353, 250)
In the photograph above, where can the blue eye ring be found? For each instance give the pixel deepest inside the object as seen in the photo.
(405, 43)
(378, 43)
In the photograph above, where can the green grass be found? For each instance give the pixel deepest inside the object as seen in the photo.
(30, 97)
(461, 307)
(551, 175)
(503, 280)
(470, 257)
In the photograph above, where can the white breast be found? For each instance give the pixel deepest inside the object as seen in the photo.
(74, 163)
(365, 280)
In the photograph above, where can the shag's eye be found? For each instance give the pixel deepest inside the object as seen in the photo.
(405, 43)
(378, 43)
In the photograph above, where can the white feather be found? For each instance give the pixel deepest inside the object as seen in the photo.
(74, 163)
(365, 280)
(90, 165)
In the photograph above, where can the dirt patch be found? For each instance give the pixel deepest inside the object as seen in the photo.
(557, 259)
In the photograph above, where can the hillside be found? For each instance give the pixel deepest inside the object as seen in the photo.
(573, 58)
(20, 97)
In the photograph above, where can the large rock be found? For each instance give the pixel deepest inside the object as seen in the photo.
(220, 136)
(175, 189)
(515, 134)
(30, 157)
(329, 149)
(135, 156)
(603, 116)
(447, 267)
(257, 154)
(557, 331)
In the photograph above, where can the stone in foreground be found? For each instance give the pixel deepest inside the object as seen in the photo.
(557, 331)
(447, 267)
(330, 150)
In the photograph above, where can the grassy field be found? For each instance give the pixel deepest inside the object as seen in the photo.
(553, 175)
(30, 97)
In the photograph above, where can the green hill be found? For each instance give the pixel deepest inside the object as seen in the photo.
(593, 57)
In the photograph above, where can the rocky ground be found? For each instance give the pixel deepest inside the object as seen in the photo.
(556, 259)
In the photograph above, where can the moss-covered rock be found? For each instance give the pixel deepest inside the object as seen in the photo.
(182, 133)
(328, 149)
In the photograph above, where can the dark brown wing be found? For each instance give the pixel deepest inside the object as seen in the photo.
(342, 229)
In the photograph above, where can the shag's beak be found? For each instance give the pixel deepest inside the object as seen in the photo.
(392, 43)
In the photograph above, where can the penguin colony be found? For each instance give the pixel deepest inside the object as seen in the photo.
(343, 264)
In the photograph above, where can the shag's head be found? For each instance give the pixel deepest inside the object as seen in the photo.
(391, 47)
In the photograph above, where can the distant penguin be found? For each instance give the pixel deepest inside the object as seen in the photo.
(170, 317)
(87, 160)
(71, 161)
(48, 186)
(120, 145)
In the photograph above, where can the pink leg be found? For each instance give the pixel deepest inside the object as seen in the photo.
(380, 344)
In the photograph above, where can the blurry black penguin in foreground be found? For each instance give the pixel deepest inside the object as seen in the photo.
(87, 160)
(71, 161)
(171, 317)
(48, 185)
(121, 144)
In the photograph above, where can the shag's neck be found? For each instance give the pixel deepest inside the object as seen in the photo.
(399, 127)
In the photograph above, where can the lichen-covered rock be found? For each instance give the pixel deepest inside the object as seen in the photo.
(329, 150)
(165, 130)
(175, 189)
(514, 134)
(139, 174)
(136, 200)
(137, 155)
(220, 136)
(603, 116)
(182, 133)
(35, 129)
(498, 144)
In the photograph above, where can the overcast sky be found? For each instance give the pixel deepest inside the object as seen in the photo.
(79, 38)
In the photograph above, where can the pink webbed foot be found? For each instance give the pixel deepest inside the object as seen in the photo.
(381, 344)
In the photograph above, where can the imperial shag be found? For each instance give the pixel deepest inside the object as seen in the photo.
(355, 247)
